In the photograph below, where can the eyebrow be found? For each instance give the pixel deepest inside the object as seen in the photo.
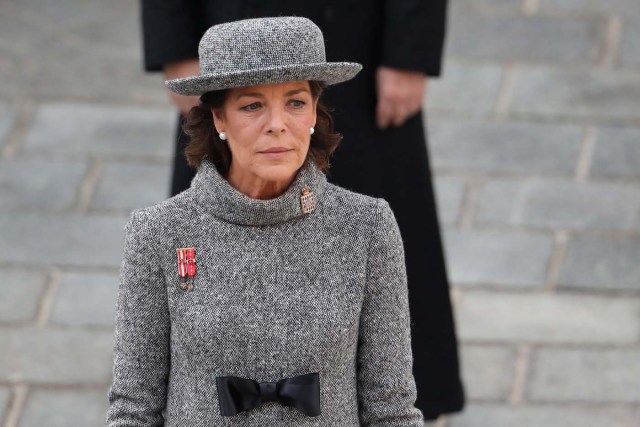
(297, 91)
(260, 95)
(253, 94)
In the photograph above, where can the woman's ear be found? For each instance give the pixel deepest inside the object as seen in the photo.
(315, 110)
(218, 119)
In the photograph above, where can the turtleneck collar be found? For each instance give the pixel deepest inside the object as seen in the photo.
(215, 195)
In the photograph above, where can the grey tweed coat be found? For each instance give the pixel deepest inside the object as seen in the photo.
(278, 293)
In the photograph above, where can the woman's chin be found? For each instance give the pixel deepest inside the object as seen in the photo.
(278, 168)
(278, 171)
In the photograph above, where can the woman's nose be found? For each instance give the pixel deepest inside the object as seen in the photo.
(275, 120)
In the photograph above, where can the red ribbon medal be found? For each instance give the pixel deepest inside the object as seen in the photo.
(186, 267)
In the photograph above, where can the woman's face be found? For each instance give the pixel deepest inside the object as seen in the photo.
(268, 132)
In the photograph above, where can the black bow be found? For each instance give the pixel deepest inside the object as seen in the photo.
(237, 394)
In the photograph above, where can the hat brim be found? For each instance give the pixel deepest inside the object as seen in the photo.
(328, 72)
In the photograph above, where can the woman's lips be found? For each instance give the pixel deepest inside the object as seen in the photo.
(276, 152)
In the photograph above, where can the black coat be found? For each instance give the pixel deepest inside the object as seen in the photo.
(393, 163)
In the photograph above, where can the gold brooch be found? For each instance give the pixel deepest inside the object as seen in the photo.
(308, 200)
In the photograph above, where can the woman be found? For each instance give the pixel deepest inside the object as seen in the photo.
(395, 41)
(263, 295)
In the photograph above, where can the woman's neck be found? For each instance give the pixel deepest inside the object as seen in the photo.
(256, 187)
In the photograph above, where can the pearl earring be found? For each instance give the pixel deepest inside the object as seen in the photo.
(311, 131)
(223, 136)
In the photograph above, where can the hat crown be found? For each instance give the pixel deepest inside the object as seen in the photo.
(260, 51)
(261, 43)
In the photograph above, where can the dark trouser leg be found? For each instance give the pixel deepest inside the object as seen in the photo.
(182, 173)
(434, 343)
(395, 165)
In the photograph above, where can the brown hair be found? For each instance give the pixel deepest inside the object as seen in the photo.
(205, 142)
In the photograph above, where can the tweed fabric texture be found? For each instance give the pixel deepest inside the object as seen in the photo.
(278, 293)
(262, 50)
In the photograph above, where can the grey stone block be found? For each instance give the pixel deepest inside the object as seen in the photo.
(42, 184)
(619, 7)
(487, 371)
(611, 375)
(91, 50)
(617, 152)
(106, 35)
(466, 88)
(131, 185)
(58, 11)
(70, 240)
(17, 33)
(512, 258)
(20, 292)
(449, 193)
(504, 147)
(485, 7)
(75, 71)
(101, 129)
(15, 81)
(521, 38)
(491, 415)
(55, 356)
(596, 94)
(86, 299)
(5, 395)
(601, 263)
(7, 117)
(629, 47)
(554, 203)
(65, 408)
(545, 317)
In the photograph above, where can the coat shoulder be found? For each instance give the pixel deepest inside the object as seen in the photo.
(357, 206)
(165, 211)
(348, 199)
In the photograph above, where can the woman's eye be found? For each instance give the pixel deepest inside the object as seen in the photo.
(295, 103)
(251, 107)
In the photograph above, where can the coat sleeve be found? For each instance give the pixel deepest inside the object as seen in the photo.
(137, 395)
(414, 34)
(386, 387)
(171, 31)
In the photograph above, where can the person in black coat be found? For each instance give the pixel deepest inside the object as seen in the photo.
(384, 152)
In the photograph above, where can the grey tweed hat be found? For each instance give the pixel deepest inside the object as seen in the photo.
(259, 51)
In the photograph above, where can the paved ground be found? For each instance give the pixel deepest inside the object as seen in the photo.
(535, 137)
